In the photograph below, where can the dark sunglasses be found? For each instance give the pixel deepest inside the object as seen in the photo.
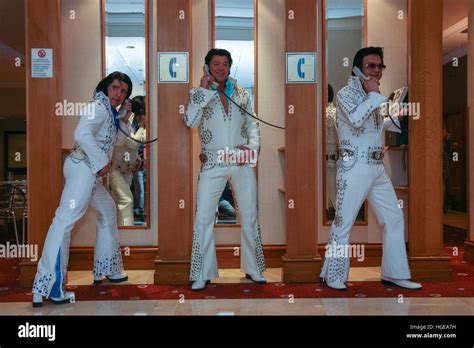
(372, 66)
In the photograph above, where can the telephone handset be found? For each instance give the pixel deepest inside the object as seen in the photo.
(122, 113)
(214, 85)
(359, 74)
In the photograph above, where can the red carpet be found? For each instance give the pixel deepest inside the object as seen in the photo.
(462, 285)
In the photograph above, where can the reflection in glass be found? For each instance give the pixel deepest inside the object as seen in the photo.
(344, 37)
(234, 31)
(125, 51)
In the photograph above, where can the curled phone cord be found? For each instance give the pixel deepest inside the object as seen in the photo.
(248, 113)
(135, 140)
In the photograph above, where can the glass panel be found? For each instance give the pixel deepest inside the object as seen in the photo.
(234, 31)
(344, 37)
(126, 51)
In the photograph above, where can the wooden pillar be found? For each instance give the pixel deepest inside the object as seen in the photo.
(301, 262)
(469, 243)
(174, 152)
(428, 260)
(44, 163)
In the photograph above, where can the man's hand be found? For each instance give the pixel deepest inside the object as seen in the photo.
(104, 171)
(371, 85)
(401, 115)
(128, 107)
(206, 81)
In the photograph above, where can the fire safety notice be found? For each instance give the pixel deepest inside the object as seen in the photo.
(42, 62)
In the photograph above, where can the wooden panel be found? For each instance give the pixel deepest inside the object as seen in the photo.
(301, 261)
(142, 258)
(44, 165)
(174, 151)
(425, 152)
(82, 258)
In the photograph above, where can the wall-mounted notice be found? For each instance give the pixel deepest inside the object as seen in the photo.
(41, 62)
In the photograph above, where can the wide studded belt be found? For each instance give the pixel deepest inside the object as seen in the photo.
(211, 158)
(376, 155)
(373, 155)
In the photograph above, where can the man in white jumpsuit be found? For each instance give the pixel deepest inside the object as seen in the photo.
(331, 150)
(223, 125)
(126, 162)
(361, 175)
(95, 136)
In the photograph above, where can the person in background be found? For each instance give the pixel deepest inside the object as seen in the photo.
(126, 162)
(331, 149)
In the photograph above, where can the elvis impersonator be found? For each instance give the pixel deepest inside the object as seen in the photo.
(224, 127)
(95, 136)
(331, 150)
(125, 163)
(361, 175)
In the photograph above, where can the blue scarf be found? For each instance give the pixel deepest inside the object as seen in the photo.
(116, 120)
(229, 87)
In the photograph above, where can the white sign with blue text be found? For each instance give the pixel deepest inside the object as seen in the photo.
(173, 67)
(301, 67)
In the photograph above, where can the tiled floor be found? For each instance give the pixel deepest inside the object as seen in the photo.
(326, 306)
(304, 306)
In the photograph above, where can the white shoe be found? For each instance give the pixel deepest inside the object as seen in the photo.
(117, 277)
(199, 285)
(402, 283)
(114, 278)
(67, 298)
(257, 278)
(336, 285)
(37, 301)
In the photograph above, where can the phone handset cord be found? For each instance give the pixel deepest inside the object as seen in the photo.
(248, 113)
(135, 140)
(396, 125)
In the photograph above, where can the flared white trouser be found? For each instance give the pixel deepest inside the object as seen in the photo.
(371, 182)
(81, 189)
(330, 186)
(211, 183)
(121, 192)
